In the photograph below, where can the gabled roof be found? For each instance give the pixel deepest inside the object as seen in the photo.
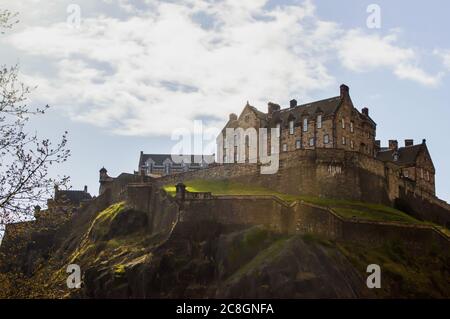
(406, 155)
(159, 159)
(73, 196)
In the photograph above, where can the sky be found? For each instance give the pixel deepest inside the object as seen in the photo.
(122, 76)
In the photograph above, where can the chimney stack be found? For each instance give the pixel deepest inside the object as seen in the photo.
(272, 107)
(344, 90)
(393, 145)
(424, 141)
(293, 103)
(233, 117)
(409, 142)
(365, 111)
(85, 188)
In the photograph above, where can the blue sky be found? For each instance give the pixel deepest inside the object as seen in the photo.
(137, 70)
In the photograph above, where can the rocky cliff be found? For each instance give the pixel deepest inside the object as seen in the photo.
(122, 256)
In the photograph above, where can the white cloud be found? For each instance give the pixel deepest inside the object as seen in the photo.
(150, 71)
(361, 52)
(445, 56)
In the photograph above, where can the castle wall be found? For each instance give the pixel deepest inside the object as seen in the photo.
(248, 210)
(162, 210)
(424, 207)
(303, 218)
(321, 172)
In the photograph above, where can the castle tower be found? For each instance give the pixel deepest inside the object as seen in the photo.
(104, 180)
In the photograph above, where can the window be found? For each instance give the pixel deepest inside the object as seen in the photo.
(291, 127)
(235, 140)
(246, 118)
(351, 127)
(427, 176)
(311, 141)
(406, 173)
(278, 129)
(343, 123)
(326, 139)
(319, 121)
(167, 168)
(351, 144)
(343, 140)
(284, 147)
(421, 173)
(305, 125)
(298, 144)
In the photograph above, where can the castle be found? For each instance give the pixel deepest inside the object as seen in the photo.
(328, 151)
(332, 123)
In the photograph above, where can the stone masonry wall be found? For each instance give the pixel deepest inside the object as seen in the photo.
(321, 172)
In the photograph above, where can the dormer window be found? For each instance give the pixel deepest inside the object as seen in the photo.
(291, 127)
(395, 157)
(305, 125)
(319, 121)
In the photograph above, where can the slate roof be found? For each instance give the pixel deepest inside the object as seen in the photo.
(325, 107)
(73, 196)
(159, 159)
(406, 155)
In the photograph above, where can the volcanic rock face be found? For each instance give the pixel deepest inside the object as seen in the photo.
(121, 258)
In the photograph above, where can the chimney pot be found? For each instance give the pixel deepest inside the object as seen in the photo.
(85, 188)
(393, 145)
(293, 103)
(424, 141)
(409, 142)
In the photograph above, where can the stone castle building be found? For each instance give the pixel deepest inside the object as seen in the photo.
(164, 164)
(68, 200)
(332, 123)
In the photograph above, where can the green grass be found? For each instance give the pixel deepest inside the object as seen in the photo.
(101, 223)
(344, 208)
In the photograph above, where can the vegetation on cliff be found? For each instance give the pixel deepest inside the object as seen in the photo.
(121, 258)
